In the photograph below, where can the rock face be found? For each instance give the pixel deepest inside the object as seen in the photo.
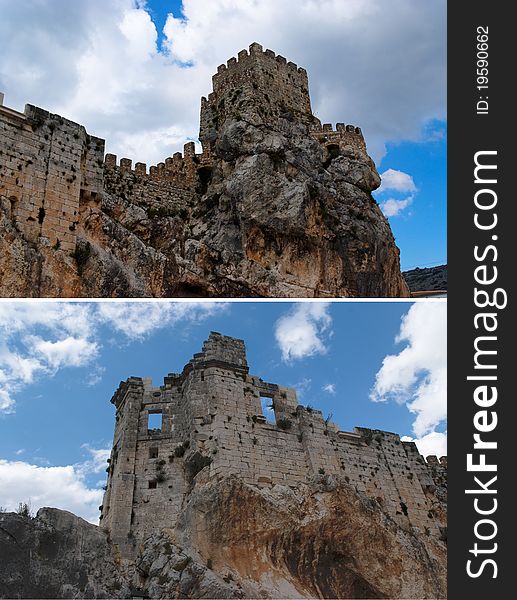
(277, 204)
(427, 280)
(234, 540)
(56, 555)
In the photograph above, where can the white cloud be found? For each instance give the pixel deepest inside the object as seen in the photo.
(62, 487)
(137, 320)
(393, 207)
(40, 338)
(67, 352)
(303, 331)
(97, 461)
(397, 181)
(432, 443)
(417, 375)
(330, 388)
(97, 62)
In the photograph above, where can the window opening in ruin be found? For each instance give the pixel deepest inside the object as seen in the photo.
(268, 409)
(152, 485)
(153, 452)
(154, 421)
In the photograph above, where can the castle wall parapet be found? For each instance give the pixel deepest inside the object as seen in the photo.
(342, 135)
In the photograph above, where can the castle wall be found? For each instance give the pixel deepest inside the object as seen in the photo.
(168, 189)
(342, 136)
(213, 426)
(50, 165)
(47, 164)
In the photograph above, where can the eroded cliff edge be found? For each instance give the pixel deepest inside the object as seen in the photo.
(275, 205)
(323, 539)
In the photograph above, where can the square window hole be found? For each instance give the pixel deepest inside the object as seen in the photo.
(153, 452)
(154, 422)
(152, 485)
(268, 409)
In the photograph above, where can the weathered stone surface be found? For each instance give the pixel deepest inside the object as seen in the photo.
(322, 539)
(317, 540)
(57, 555)
(276, 205)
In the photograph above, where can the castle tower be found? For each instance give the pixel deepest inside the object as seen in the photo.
(258, 86)
(210, 421)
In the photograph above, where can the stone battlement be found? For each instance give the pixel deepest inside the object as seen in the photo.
(257, 85)
(174, 164)
(208, 422)
(340, 137)
(236, 66)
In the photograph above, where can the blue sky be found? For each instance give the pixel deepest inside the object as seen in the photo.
(60, 364)
(133, 72)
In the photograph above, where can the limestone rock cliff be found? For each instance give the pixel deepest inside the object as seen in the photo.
(323, 539)
(277, 205)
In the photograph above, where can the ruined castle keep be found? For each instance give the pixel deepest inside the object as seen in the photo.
(276, 204)
(207, 423)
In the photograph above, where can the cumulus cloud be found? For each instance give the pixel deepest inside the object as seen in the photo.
(417, 375)
(393, 207)
(62, 487)
(432, 443)
(397, 181)
(304, 330)
(41, 338)
(97, 62)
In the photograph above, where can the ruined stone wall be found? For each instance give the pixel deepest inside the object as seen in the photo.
(213, 426)
(47, 165)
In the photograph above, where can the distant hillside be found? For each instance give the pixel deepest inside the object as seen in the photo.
(423, 280)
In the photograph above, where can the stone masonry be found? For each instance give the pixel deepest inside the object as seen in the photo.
(212, 425)
(49, 166)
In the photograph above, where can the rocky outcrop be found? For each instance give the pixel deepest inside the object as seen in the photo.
(278, 218)
(429, 279)
(277, 205)
(57, 555)
(318, 540)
